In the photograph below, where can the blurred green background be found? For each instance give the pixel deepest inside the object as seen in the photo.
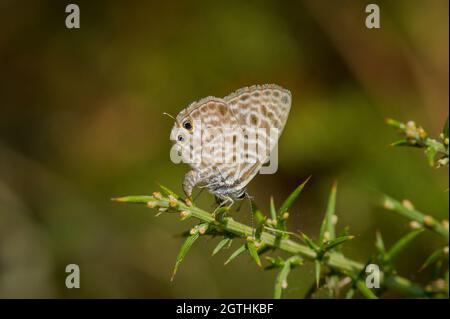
(81, 121)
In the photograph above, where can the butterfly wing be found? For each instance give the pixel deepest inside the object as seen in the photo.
(269, 102)
(214, 124)
(264, 108)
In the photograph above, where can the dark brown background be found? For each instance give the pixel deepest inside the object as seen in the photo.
(81, 121)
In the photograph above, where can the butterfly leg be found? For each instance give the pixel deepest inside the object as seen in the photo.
(225, 202)
(231, 201)
(189, 182)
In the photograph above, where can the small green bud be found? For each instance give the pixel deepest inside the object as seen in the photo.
(422, 134)
(157, 195)
(415, 225)
(193, 230)
(388, 204)
(411, 130)
(202, 229)
(407, 204)
(429, 221)
(151, 204)
(172, 201)
(258, 244)
(334, 219)
(185, 214)
(188, 202)
(411, 125)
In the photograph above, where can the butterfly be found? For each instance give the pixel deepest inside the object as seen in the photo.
(227, 140)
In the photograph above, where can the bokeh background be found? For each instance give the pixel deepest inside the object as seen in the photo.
(81, 121)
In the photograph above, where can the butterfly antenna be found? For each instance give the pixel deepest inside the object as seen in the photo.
(171, 116)
(251, 216)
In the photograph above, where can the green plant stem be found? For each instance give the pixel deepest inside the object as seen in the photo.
(411, 213)
(335, 260)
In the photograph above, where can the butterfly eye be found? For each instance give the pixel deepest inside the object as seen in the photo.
(180, 138)
(187, 125)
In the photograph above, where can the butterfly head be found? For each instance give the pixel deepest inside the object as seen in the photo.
(182, 129)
